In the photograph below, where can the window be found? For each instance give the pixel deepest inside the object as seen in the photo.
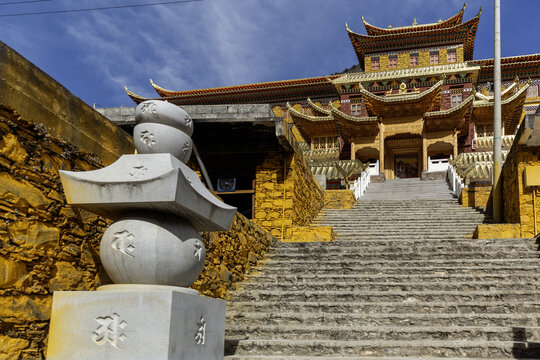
(456, 99)
(375, 63)
(325, 142)
(413, 60)
(392, 61)
(451, 56)
(356, 108)
(434, 57)
(483, 130)
(532, 91)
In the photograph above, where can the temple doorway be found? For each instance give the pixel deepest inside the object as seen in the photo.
(406, 165)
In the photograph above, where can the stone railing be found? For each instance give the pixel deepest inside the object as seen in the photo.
(359, 186)
(455, 180)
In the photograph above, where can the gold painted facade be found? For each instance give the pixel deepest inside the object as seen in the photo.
(403, 59)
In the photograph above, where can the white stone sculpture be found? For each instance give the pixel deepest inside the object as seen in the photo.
(153, 252)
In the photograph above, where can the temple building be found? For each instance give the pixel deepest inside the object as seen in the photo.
(416, 100)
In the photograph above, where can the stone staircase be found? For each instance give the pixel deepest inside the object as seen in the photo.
(403, 280)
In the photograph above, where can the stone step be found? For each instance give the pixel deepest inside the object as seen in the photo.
(363, 269)
(401, 348)
(288, 279)
(402, 263)
(314, 357)
(347, 242)
(396, 247)
(394, 332)
(415, 307)
(407, 254)
(388, 296)
(531, 285)
(240, 318)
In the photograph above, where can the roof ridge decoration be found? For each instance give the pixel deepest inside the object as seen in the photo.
(349, 126)
(312, 126)
(467, 102)
(136, 98)
(443, 69)
(459, 33)
(403, 97)
(319, 111)
(452, 21)
(504, 94)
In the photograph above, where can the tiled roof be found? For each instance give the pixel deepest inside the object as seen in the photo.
(274, 91)
(524, 66)
(464, 33)
(436, 70)
(452, 21)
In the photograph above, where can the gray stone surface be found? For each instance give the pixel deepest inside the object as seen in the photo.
(165, 113)
(152, 249)
(408, 189)
(155, 182)
(150, 138)
(402, 280)
(259, 113)
(122, 324)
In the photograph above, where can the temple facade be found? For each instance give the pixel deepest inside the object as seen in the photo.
(416, 100)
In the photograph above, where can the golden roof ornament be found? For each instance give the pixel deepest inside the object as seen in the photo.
(414, 22)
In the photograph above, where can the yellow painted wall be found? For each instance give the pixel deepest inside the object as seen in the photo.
(230, 255)
(518, 198)
(42, 100)
(281, 201)
(497, 231)
(339, 199)
(477, 196)
(45, 245)
(404, 63)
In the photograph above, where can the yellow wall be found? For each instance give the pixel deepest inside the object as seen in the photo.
(42, 100)
(476, 196)
(518, 198)
(339, 199)
(46, 245)
(230, 255)
(283, 201)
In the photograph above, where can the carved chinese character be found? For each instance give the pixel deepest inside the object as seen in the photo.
(109, 330)
(185, 148)
(148, 138)
(123, 242)
(200, 336)
(150, 108)
(138, 171)
(198, 251)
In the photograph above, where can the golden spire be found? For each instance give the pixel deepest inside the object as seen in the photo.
(414, 22)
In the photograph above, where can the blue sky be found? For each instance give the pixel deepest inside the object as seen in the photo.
(227, 42)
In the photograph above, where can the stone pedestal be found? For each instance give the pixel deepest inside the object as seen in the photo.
(136, 322)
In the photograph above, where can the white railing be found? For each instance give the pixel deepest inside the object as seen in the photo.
(374, 168)
(359, 186)
(435, 165)
(455, 181)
